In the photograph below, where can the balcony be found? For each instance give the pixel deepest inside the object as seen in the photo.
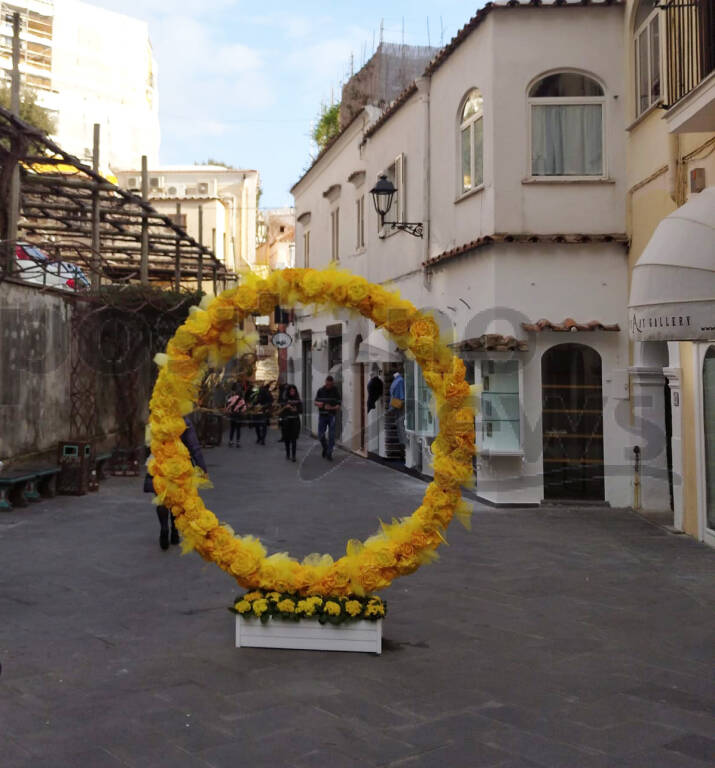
(690, 63)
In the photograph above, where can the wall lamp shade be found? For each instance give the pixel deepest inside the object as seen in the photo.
(382, 194)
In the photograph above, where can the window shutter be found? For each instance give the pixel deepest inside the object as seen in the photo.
(401, 202)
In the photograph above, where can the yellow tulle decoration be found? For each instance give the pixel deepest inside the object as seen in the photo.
(210, 337)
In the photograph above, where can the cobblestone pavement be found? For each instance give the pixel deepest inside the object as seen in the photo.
(546, 637)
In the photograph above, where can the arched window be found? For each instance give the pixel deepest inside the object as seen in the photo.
(471, 141)
(567, 111)
(646, 42)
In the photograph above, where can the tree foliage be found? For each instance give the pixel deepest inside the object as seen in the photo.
(212, 161)
(328, 125)
(30, 111)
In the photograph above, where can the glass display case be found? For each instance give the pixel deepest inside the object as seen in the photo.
(500, 413)
(419, 409)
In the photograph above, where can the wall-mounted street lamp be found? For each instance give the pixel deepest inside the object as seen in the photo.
(382, 194)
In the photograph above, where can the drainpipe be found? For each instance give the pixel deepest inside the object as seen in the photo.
(423, 86)
(636, 478)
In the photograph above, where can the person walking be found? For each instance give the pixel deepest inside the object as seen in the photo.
(397, 406)
(328, 403)
(264, 400)
(291, 411)
(191, 441)
(235, 410)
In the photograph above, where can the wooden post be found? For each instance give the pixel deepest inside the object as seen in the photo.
(177, 258)
(201, 252)
(96, 261)
(144, 262)
(13, 203)
(215, 284)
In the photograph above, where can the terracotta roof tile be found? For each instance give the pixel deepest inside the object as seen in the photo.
(492, 342)
(562, 239)
(568, 325)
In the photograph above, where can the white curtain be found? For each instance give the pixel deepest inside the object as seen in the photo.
(566, 140)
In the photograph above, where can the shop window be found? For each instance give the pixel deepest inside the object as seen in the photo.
(500, 427)
(419, 409)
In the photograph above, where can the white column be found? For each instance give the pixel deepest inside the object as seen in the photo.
(648, 396)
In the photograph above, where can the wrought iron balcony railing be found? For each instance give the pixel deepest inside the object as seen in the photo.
(690, 45)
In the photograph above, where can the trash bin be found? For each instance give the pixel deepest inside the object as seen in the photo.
(76, 462)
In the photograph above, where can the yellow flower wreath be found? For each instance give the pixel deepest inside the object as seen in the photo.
(209, 337)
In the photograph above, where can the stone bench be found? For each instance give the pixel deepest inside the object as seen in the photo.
(20, 486)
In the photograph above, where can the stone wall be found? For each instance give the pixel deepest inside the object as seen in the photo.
(36, 342)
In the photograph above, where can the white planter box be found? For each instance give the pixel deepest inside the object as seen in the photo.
(308, 635)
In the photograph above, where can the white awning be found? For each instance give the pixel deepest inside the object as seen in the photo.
(378, 348)
(673, 283)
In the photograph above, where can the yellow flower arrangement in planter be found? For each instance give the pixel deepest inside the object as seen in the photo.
(209, 337)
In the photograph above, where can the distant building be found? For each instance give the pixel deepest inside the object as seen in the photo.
(88, 65)
(226, 197)
(276, 238)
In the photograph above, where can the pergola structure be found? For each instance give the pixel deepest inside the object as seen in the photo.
(76, 215)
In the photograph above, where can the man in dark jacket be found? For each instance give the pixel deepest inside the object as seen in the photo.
(191, 440)
(265, 401)
(328, 403)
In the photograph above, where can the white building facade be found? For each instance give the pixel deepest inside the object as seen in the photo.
(89, 65)
(510, 151)
(225, 196)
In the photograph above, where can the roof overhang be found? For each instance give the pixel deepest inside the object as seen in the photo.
(673, 283)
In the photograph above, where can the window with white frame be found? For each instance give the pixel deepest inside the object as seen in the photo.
(335, 234)
(567, 136)
(646, 33)
(306, 248)
(396, 173)
(471, 142)
(360, 222)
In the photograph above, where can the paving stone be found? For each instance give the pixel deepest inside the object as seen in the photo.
(693, 745)
(580, 638)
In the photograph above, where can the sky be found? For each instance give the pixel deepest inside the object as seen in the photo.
(242, 82)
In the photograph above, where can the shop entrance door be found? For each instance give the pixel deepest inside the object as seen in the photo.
(572, 400)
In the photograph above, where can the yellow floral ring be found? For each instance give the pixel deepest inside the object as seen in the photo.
(210, 337)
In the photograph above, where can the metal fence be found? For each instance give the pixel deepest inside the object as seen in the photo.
(690, 31)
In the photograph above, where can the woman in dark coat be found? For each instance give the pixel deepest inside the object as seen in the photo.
(191, 441)
(292, 409)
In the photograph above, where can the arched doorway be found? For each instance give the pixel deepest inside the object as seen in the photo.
(572, 408)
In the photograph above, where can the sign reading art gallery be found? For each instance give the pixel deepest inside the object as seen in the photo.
(687, 321)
